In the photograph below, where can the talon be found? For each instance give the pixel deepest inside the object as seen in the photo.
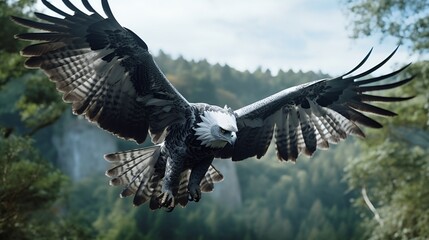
(194, 193)
(197, 197)
(166, 199)
(170, 209)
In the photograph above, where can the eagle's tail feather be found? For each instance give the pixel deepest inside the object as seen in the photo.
(134, 169)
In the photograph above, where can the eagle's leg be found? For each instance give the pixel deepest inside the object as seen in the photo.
(197, 174)
(170, 183)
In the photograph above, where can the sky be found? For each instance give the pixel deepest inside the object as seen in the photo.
(307, 35)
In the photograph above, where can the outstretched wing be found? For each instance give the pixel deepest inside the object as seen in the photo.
(104, 70)
(311, 115)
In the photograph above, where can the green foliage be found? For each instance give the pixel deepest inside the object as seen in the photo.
(11, 62)
(396, 176)
(406, 20)
(28, 187)
(416, 112)
(40, 104)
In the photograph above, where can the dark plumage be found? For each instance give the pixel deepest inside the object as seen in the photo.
(108, 75)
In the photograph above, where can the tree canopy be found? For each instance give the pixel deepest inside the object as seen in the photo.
(406, 20)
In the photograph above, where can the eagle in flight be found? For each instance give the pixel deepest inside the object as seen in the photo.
(108, 75)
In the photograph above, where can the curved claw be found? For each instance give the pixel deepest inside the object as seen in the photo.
(194, 193)
(166, 199)
(170, 209)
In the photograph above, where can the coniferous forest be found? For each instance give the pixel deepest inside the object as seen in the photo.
(52, 183)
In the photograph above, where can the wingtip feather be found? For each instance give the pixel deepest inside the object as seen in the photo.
(106, 9)
(360, 63)
(55, 9)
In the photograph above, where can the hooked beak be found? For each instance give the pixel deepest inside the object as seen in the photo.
(232, 139)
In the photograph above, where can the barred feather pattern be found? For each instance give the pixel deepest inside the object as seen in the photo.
(132, 168)
(304, 130)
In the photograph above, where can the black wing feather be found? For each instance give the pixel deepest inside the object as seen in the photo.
(55, 9)
(359, 65)
(384, 86)
(88, 6)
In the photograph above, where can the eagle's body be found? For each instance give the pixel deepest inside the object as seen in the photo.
(183, 158)
(109, 76)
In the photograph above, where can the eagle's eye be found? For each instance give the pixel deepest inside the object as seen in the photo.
(223, 131)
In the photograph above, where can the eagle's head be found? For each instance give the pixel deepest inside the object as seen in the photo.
(217, 128)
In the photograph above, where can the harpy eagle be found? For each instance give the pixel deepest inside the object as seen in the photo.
(108, 75)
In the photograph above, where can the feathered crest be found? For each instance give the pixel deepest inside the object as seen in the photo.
(209, 119)
(228, 109)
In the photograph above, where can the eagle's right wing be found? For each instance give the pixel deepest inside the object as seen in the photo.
(105, 71)
(311, 115)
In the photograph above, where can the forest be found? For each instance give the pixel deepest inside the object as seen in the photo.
(52, 183)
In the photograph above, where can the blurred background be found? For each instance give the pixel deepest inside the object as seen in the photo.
(52, 183)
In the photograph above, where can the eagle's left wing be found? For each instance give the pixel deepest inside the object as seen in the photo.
(311, 115)
(105, 70)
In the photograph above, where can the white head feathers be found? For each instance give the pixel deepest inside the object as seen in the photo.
(211, 121)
